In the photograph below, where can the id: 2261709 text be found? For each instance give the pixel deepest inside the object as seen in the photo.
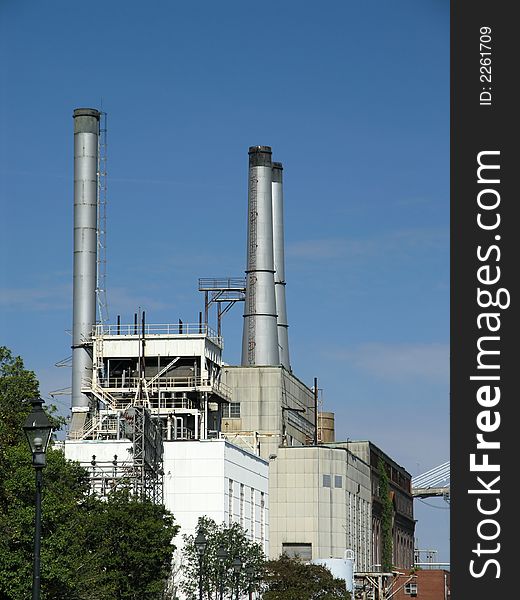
(485, 66)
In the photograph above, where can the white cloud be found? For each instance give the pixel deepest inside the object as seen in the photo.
(330, 248)
(405, 241)
(398, 362)
(48, 297)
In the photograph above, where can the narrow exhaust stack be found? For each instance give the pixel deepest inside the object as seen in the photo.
(279, 264)
(260, 337)
(86, 134)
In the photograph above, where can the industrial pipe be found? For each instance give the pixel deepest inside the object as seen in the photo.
(260, 336)
(86, 136)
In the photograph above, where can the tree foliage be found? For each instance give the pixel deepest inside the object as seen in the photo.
(92, 549)
(234, 539)
(292, 579)
(16, 385)
(387, 515)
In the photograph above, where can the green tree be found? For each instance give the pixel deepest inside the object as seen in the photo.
(234, 539)
(291, 579)
(16, 385)
(387, 515)
(133, 540)
(116, 549)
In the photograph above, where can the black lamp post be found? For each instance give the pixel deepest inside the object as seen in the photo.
(250, 571)
(221, 556)
(38, 430)
(237, 565)
(200, 546)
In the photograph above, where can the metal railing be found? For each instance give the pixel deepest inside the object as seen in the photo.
(207, 284)
(163, 384)
(197, 329)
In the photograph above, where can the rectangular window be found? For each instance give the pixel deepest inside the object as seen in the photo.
(302, 551)
(262, 518)
(242, 505)
(326, 481)
(230, 502)
(410, 589)
(252, 513)
(231, 410)
(338, 481)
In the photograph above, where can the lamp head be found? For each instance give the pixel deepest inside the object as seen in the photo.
(38, 429)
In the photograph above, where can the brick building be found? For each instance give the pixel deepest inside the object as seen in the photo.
(400, 482)
(428, 584)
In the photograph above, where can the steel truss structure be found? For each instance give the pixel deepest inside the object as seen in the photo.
(435, 482)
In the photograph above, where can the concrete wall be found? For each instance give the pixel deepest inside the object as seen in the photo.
(217, 479)
(320, 496)
(263, 425)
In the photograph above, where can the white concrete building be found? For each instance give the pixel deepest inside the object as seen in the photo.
(220, 480)
(211, 478)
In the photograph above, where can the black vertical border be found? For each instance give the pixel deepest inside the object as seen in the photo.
(476, 128)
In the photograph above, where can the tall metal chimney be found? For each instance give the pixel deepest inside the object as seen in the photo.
(279, 264)
(260, 337)
(86, 135)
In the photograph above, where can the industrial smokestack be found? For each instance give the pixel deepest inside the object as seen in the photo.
(260, 337)
(86, 134)
(279, 264)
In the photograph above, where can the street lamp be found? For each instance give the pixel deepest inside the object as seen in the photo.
(222, 556)
(237, 565)
(38, 430)
(250, 571)
(200, 546)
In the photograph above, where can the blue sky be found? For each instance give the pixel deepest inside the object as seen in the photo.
(353, 97)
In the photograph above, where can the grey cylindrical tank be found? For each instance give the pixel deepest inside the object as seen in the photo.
(260, 336)
(279, 264)
(86, 134)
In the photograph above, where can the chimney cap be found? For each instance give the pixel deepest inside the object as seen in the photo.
(260, 150)
(86, 112)
(277, 165)
(260, 156)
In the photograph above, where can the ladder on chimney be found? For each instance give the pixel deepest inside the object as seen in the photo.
(101, 262)
(251, 275)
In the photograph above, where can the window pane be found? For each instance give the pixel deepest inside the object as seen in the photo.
(303, 551)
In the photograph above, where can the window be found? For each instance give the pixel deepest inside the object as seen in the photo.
(327, 481)
(303, 551)
(231, 410)
(230, 502)
(252, 509)
(242, 505)
(262, 517)
(410, 589)
(338, 481)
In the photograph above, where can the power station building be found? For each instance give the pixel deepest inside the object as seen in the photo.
(156, 406)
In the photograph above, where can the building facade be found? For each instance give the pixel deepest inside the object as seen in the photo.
(427, 584)
(320, 504)
(403, 525)
(270, 407)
